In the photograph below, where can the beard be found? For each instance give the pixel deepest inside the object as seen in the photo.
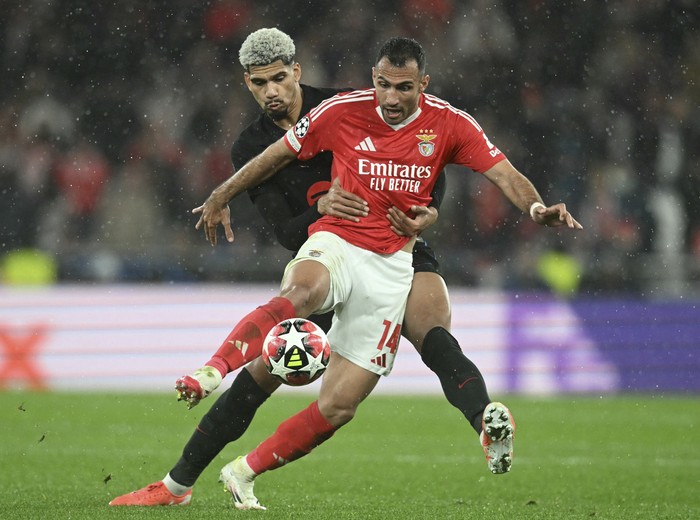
(277, 113)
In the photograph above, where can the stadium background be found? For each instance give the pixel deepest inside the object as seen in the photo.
(117, 119)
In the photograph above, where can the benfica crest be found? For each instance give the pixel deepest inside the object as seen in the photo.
(426, 147)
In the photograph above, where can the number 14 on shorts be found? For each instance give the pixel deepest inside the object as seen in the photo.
(390, 338)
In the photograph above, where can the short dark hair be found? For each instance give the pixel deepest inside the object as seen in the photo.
(399, 50)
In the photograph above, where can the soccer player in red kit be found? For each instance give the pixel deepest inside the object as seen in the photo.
(289, 202)
(388, 145)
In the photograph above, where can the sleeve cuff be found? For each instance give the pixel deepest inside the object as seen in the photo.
(533, 207)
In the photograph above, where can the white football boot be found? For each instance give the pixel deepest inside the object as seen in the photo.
(498, 431)
(238, 479)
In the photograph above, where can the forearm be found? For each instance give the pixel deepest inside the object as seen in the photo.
(254, 172)
(522, 193)
(514, 185)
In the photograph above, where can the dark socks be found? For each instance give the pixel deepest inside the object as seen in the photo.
(225, 422)
(461, 380)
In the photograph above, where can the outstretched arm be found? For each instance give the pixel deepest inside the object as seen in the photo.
(523, 194)
(215, 209)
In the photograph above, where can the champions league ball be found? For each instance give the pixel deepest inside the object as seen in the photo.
(296, 351)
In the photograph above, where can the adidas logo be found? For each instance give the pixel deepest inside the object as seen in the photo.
(294, 360)
(367, 145)
(380, 360)
(280, 460)
(240, 345)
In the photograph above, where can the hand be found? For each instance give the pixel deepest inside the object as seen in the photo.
(214, 212)
(555, 216)
(342, 204)
(197, 386)
(402, 224)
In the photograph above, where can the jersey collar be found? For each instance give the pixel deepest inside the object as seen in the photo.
(410, 119)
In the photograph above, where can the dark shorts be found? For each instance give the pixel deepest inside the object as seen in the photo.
(424, 260)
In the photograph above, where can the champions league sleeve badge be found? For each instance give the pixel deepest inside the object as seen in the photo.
(302, 127)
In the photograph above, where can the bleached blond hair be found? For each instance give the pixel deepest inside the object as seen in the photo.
(264, 46)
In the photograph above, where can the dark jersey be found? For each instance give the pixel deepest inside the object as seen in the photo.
(288, 200)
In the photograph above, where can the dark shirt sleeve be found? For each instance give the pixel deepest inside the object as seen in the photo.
(240, 155)
(272, 203)
(438, 193)
(291, 232)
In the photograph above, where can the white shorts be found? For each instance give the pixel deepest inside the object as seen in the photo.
(368, 293)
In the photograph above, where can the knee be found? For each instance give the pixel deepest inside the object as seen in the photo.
(440, 344)
(418, 326)
(419, 321)
(337, 414)
(266, 381)
(306, 285)
(300, 296)
(306, 298)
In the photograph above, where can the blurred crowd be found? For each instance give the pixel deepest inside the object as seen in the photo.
(117, 119)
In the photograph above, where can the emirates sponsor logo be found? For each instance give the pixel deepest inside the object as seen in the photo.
(392, 169)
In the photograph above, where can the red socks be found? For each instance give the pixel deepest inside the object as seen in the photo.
(302, 432)
(244, 342)
(293, 439)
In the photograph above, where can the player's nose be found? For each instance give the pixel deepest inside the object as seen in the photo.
(392, 98)
(270, 91)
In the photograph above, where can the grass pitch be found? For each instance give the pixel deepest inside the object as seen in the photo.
(65, 455)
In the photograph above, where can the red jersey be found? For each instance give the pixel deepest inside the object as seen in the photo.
(387, 165)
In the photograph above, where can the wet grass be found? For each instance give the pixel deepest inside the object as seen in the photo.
(65, 455)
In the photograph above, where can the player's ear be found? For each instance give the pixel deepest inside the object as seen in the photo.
(246, 78)
(424, 83)
(296, 69)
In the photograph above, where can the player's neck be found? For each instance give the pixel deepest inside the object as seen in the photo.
(286, 123)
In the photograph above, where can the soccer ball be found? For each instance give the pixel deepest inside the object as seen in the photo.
(296, 351)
